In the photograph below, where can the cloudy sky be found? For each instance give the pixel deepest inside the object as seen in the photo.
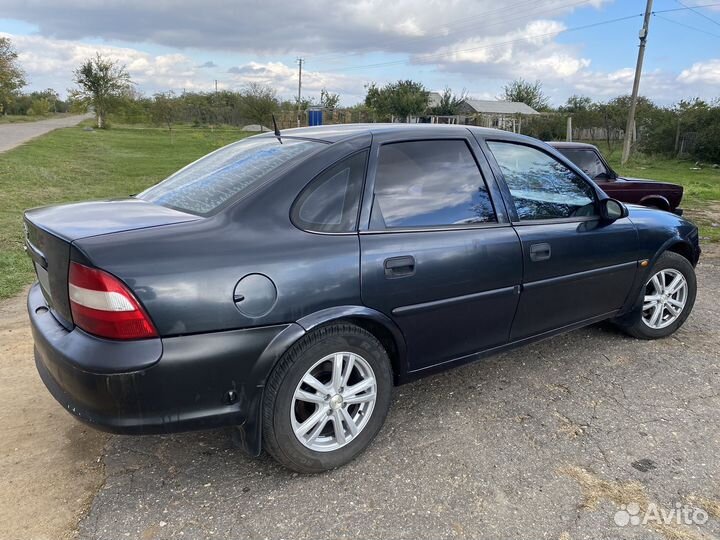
(573, 47)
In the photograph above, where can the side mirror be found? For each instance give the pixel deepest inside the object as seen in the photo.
(612, 210)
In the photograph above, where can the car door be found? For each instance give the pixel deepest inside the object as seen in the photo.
(577, 267)
(436, 255)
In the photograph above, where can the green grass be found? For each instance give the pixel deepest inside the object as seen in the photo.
(71, 165)
(701, 198)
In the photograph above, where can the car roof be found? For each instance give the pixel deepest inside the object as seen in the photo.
(339, 132)
(564, 144)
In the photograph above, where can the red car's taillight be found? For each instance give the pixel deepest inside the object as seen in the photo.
(103, 306)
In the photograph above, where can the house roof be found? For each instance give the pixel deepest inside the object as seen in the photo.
(499, 107)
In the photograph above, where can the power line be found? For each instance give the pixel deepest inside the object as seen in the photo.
(696, 29)
(431, 56)
(498, 44)
(686, 8)
(696, 12)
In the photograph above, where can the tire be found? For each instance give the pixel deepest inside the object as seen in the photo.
(671, 264)
(286, 408)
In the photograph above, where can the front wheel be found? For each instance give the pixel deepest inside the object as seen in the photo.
(327, 399)
(667, 298)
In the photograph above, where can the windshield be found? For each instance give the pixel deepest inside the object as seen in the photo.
(204, 186)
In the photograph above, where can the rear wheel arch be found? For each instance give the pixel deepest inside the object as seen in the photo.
(385, 337)
(374, 322)
(280, 432)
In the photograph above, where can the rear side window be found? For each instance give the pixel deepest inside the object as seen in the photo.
(331, 201)
(541, 186)
(204, 186)
(429, 184)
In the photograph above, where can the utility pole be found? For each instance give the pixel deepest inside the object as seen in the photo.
(568, 129)
(216, 86)
(300, 64)
(630, 128)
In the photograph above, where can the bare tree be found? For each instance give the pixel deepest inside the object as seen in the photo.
(101, 83)
(258, 102)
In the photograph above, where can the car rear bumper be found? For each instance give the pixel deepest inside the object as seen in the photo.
(158, 385)
(678, 211)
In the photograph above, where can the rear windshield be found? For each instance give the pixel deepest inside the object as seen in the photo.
(204, 186)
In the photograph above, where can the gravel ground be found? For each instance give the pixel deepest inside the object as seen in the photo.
(50, 464)
(12, 135)
(551, 441)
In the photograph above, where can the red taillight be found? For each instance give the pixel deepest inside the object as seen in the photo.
(103, 306)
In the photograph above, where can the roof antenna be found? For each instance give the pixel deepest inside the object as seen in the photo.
(277, 131)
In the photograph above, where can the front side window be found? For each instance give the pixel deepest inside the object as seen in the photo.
(330, 202)
(541, 186)
(587, 160)
(214, 180)
(429, 184)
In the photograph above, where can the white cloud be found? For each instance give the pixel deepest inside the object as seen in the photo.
(530, 52)
(49, 63)
(707, 72)
(300, 26)
(479, 44)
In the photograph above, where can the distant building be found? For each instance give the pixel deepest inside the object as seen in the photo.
(483, 112)
(496, 107)
(434, 99)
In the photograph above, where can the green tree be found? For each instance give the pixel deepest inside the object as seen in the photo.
(39, 107)
(12, 77)
(48, 95)
(402, 98)
(164, 110)
(575, 104)
(329, 100)
(258, 102)
(449, 103)
(527, 92)
(101, 83)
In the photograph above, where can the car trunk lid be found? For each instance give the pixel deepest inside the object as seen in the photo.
(50, 232)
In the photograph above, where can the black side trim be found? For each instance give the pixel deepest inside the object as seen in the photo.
(581, 275)
(426, 306)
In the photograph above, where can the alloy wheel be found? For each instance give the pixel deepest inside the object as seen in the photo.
(665, 296)
(333, 401)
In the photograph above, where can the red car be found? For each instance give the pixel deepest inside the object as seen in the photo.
(662, 195)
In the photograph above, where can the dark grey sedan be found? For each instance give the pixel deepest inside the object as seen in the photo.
(283, 284)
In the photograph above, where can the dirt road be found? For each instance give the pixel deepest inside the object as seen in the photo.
(12, 135)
